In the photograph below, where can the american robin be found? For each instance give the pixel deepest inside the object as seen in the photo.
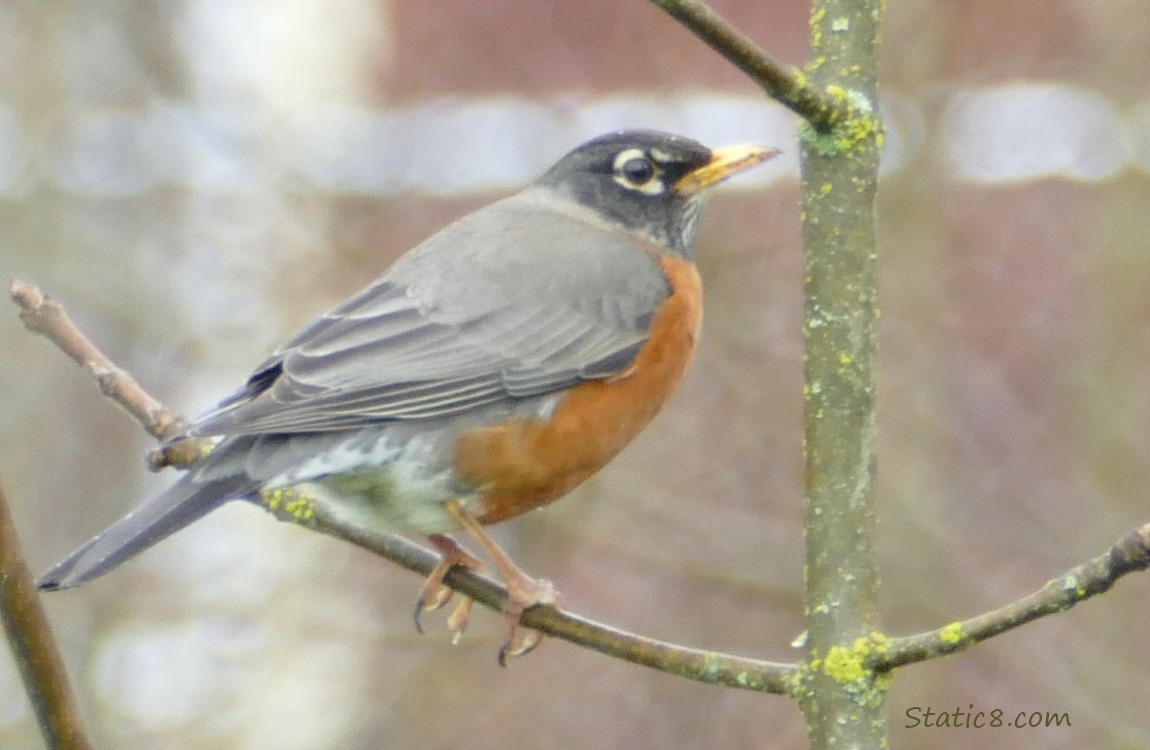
(488, 372)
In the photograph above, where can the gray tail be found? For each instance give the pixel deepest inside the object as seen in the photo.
(181, 504)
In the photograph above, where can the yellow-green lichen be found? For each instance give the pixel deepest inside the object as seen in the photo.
(860, 126)
(847, 666)
(290, 503)
(844, 665)
(796, 683)
(860, 129)
(1072, 583)
(817, 18)
(952, 633)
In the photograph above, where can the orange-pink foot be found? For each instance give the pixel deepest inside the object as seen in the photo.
(435, 593)
(523, 591)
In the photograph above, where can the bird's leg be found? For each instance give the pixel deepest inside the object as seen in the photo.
(523, 591)
(435, 593)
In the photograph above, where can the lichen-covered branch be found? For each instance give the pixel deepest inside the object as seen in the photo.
(842, 701)
(1129, 554)
(783, 83)
(33, 646)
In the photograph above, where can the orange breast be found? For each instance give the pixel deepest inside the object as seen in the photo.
(525, 463)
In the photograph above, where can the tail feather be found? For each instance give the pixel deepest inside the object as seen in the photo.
(181, 504)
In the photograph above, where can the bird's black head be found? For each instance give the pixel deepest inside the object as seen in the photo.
(648, 181)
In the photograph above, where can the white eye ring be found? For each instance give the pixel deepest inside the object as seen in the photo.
(634, 170)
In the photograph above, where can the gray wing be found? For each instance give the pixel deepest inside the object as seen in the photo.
(484, 311)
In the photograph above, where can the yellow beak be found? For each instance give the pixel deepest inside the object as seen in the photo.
(724, 163)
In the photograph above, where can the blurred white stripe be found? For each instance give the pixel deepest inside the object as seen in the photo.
(443, 146)
(449, 146)
(1025, 131)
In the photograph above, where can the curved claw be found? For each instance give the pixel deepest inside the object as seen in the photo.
(523, 593)
(526, 645)
(435, 593)
(429, 603)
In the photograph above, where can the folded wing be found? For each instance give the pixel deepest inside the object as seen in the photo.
(484, 311)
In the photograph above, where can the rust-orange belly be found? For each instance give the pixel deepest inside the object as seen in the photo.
(525, 463)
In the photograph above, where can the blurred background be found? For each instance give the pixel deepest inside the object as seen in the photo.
(194, 179)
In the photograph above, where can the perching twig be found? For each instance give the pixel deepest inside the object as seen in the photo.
(710, 667)
(49, 319)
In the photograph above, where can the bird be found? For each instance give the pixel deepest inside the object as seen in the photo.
(489, 371)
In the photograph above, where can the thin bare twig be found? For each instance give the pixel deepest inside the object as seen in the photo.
(50, 320)
(33, 646)
(784, 83)
(44, 316)
(1129, 554)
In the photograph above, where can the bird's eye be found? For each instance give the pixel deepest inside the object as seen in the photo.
(634, 170)
(638, 170)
